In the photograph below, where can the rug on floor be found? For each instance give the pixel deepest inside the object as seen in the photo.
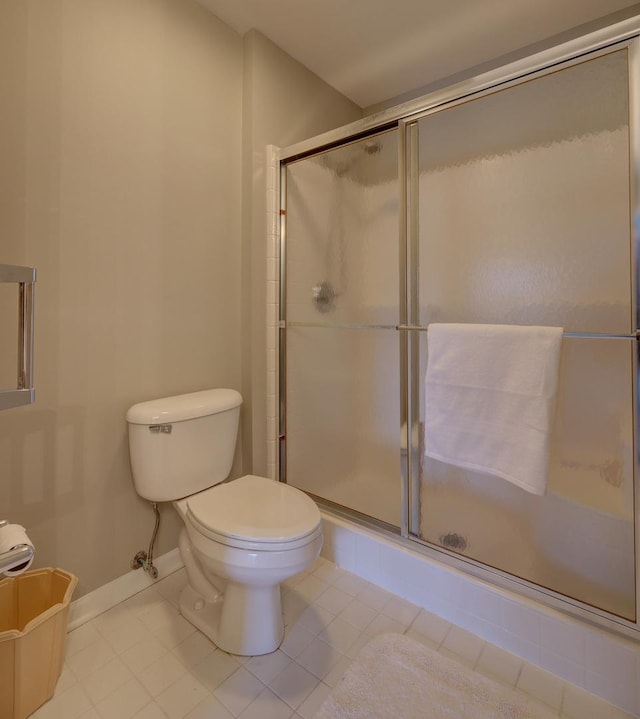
(395, 676)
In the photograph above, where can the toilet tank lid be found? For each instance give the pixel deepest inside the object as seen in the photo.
(184, 406)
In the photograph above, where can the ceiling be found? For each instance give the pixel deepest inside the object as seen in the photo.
(374, 50)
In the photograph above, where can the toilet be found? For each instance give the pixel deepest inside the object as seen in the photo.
(241, 538)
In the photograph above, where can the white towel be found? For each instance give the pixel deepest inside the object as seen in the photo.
(490, 399)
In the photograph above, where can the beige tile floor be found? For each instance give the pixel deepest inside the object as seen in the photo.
(142, 660)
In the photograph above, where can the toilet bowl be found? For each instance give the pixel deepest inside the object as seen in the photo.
(241, 538)
(251, 533)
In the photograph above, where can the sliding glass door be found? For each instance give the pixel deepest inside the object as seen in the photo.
(522, 217)
(343, 377)
(509, 206)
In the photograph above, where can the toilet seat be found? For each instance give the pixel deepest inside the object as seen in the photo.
(254, 513)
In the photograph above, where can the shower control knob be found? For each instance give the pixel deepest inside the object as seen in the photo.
(324, 297)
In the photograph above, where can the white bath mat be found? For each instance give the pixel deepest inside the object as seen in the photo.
(394, 676)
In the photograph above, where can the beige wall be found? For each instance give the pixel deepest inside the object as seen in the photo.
(283, 103)
(120, 139)
(124, 131)
(502, 60)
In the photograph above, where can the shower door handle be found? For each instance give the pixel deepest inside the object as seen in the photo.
(24, 392)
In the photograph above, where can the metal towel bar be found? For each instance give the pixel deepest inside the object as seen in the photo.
(24, 392)
(635, 335)
(578, 335)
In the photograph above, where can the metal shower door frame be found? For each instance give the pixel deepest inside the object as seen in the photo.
(409, 237)
(404, 117)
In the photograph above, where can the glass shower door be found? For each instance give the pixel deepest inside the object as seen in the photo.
(342, 368)
(521, 217)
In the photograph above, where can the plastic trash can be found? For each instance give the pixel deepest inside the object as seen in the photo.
(34, 611)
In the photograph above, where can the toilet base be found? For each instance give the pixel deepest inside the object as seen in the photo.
(244, 621)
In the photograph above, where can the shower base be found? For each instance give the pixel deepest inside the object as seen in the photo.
(558, 636)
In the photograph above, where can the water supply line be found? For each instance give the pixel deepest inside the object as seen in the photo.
(145, 559)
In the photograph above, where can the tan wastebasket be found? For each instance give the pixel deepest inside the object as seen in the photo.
(34, 609)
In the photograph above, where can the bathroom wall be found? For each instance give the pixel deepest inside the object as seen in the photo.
(512, 56)
(120, 139)
(283, 103)
(121, 135)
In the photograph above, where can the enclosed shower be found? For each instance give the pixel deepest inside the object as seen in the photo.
(507, 204)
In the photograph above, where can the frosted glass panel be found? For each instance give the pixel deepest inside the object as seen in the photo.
(524, 204)
(342, 234)
(518, 213)
(523, 218)
(342, 382)
(343, 421)
(578, 539)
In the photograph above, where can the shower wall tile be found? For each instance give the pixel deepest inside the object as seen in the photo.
(516, 644)
(272, 387)
(495, 662)
(603, 654)
(367, 558)
(490, 631)
(489, 604)
(413, 594)
(272, 310)
(465, 620)
(399, 566)
(339, 545)
(589, 657)
(272, 261)
(565, 638)
(436, 576)
(541, 685)
(272, 292)
(522, 620)
(272, 344)
(271, 180)
(610, 689)
(462, 644)
(273, 219)
(563, 667)
(271, 359)
(441, 608)
(272, 318)
(577, 704)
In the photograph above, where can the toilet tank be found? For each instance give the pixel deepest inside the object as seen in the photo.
(184, 444)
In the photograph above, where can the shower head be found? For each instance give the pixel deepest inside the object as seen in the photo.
(372, 147)
(343, 159)
(324, 297)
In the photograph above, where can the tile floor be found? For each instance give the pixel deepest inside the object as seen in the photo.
(142, 660)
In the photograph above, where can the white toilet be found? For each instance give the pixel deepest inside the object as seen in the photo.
(241, 538)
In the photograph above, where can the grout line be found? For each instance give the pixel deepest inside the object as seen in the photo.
(562, 699)
(522, 663)
(325, 568)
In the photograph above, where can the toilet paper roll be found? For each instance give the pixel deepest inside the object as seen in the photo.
(12, 536)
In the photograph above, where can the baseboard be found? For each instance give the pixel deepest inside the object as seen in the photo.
(107, 596)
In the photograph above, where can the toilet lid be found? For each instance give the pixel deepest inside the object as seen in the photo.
(255, 509)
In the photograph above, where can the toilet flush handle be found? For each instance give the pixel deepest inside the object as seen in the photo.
(165, 428)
